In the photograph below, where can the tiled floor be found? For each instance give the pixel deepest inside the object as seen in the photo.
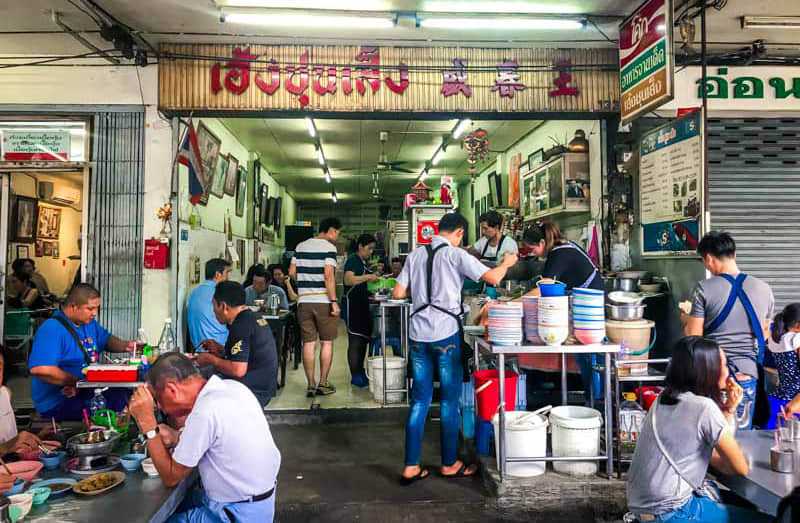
(293, 395)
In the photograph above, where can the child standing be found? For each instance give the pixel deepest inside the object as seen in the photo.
(786, 335)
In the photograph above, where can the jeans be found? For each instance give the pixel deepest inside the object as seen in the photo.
(446, 355)
(705, 510)
(746, 409)
(198, 508)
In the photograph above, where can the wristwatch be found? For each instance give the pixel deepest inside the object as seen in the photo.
(151, 434)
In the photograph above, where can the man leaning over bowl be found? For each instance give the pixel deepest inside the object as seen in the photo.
(238, 468)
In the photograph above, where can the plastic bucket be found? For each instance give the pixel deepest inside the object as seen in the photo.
(635, 339)
(576, 432)
(487, 392)
(395, 377)
(552, 289)
(524, 439)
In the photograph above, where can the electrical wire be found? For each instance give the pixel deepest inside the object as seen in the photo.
(57, 59)
(601, 31)
(86, 12)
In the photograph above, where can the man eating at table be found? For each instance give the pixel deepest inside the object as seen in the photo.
(226, 436)
(249, 354)
(63, 346)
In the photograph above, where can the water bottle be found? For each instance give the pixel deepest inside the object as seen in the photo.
(166, 343)
(631, 417)
(98, 402)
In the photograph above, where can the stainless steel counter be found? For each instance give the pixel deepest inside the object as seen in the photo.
(139, 498)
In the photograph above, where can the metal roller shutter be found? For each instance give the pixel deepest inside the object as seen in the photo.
(115, 219)
(754, 193)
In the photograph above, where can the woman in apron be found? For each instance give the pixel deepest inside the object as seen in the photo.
(567, 263)
(355, 307)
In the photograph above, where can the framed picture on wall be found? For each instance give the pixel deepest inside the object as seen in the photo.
(240, 251)
(231, 177)
(48, 249)
(276, 220)
(23, 251)
(241, 191)
(39, 248)
(209, 145)
(218, 185)
(495, 190)
(263, 201)
(49, 223)
(26, 215)
(56, 252)
(535, 158)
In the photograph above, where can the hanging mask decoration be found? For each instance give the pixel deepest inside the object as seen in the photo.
(476, 144)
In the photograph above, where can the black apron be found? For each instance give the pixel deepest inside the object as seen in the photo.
(571, 245)
(355, 308)
(496, 252)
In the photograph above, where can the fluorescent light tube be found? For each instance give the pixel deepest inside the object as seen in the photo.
(320, 156)
(305, 21)
(333, 197)
(461, 127)
(327, 176)
(437, 157)
(501, 23)
(350, 5)
(770, 22)
(311, 129)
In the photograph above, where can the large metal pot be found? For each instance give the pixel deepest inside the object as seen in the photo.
(626, 284)
(625, 312)
(78, 446)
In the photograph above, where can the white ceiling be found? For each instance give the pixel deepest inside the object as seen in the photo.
(352, 149)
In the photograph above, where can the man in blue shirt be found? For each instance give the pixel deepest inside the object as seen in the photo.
(203, 324)
(63, 346)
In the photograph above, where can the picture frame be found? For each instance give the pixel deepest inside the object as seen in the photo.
(263, 204)
(240, 246)
(276, 221)
(241, 191)
(39, 248)
(48, 249)
(209, 145)
(56, 250)
(23, 251)
(218, 184)
(49, 223)
(231, 177)
(26, 218)
(495, 190)
(535, 158)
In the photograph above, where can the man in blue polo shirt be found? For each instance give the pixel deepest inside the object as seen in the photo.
(203, 324)
(62, 347)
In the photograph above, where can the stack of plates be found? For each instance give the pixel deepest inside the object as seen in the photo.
(588, 314)
(530, 306)
(505, 323)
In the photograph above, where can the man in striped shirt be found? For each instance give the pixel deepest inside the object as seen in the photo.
(313, 267)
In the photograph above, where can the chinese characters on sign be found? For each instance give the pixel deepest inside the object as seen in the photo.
(302, 77)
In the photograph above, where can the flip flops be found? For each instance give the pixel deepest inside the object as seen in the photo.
(462, 472)
(422, 474)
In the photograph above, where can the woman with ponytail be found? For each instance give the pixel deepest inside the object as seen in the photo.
(785, 334)
(565, 261)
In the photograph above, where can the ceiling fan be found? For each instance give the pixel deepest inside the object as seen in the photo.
(383, 161)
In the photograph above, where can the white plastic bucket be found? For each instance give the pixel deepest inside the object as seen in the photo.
(526, 439)
(395, 377)
(576, 432)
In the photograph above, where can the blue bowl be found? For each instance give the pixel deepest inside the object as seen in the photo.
(53, 460)
(19, 484)
(131, 462)
(552, 289)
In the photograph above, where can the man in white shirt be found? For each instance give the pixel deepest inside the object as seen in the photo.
(225, 436)
(493, 244)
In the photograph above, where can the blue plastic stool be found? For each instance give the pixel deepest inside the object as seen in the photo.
(484, 434)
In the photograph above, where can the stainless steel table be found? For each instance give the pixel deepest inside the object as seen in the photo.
(762, 487)
(405, 307)
(83, 384)
(139, 499)
(500, 351)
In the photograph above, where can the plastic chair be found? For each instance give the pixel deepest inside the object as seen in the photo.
(18, 331)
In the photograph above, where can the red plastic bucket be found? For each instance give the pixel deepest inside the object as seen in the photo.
(487, 392)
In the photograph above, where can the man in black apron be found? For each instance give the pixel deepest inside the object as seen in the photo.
(733, 309)
(492, 244)
(438, 271)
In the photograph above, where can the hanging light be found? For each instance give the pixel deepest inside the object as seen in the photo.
(423, 175)
(327, 176)
(320, 156)
(312, 130)
(333, 197)
(437, 156)
(461, 127)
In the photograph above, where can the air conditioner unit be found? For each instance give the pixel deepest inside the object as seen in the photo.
(59, 194)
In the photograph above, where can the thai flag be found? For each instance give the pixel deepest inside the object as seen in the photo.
(189, 155)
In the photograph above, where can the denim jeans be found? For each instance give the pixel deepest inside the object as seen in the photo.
(705, 510)
(446, 356)
(746, 409)
(198, 508)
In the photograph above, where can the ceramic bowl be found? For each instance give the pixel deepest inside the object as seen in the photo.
(54, 460)
(40, 494)
(590, 337)
(19, 485)
(131, 462)
(22, 501)
(149, 468)
(583, 291)
(26, 470)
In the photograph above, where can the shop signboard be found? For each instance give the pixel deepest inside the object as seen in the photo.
(671, 187)
(646, 59)
(30, 145)
(255, 77)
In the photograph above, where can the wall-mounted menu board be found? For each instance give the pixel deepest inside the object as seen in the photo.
(671, 185)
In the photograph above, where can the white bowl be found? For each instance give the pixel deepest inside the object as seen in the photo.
(149, 468)
(23, 501)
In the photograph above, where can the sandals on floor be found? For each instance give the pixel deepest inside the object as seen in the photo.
(461, 474)
(422, 474)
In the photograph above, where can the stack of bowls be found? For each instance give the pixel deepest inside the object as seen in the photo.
(505, 323)
(588, 315)
(553, 319)
(530, 307)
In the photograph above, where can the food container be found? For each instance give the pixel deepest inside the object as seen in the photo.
(626, 284)
(625, 298)
(40, 494)
(650, 287)
(111, 373)
(625, 312)
(131, 462)
(149, 468)
(19, 485)
(634, 338)
(782, 459)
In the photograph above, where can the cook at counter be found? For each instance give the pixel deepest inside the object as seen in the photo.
(565, 261)
(65, 344)
(493, 244)
(355, 307)
(250, 354)
(226, 437)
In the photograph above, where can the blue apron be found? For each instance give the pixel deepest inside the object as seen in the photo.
(738, 293)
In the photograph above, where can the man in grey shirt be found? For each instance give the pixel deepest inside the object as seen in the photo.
(734, 334)
(262, 289)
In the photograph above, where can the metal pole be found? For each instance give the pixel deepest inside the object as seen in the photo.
(404, 326)
(563, 378)
(607, 401)
(383, 349)
(501, 437)
(705, 220)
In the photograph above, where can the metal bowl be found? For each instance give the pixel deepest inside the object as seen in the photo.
(78, 447)
(625, 298)
(625, 312)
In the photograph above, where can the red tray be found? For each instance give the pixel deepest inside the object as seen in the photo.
(112, 373)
